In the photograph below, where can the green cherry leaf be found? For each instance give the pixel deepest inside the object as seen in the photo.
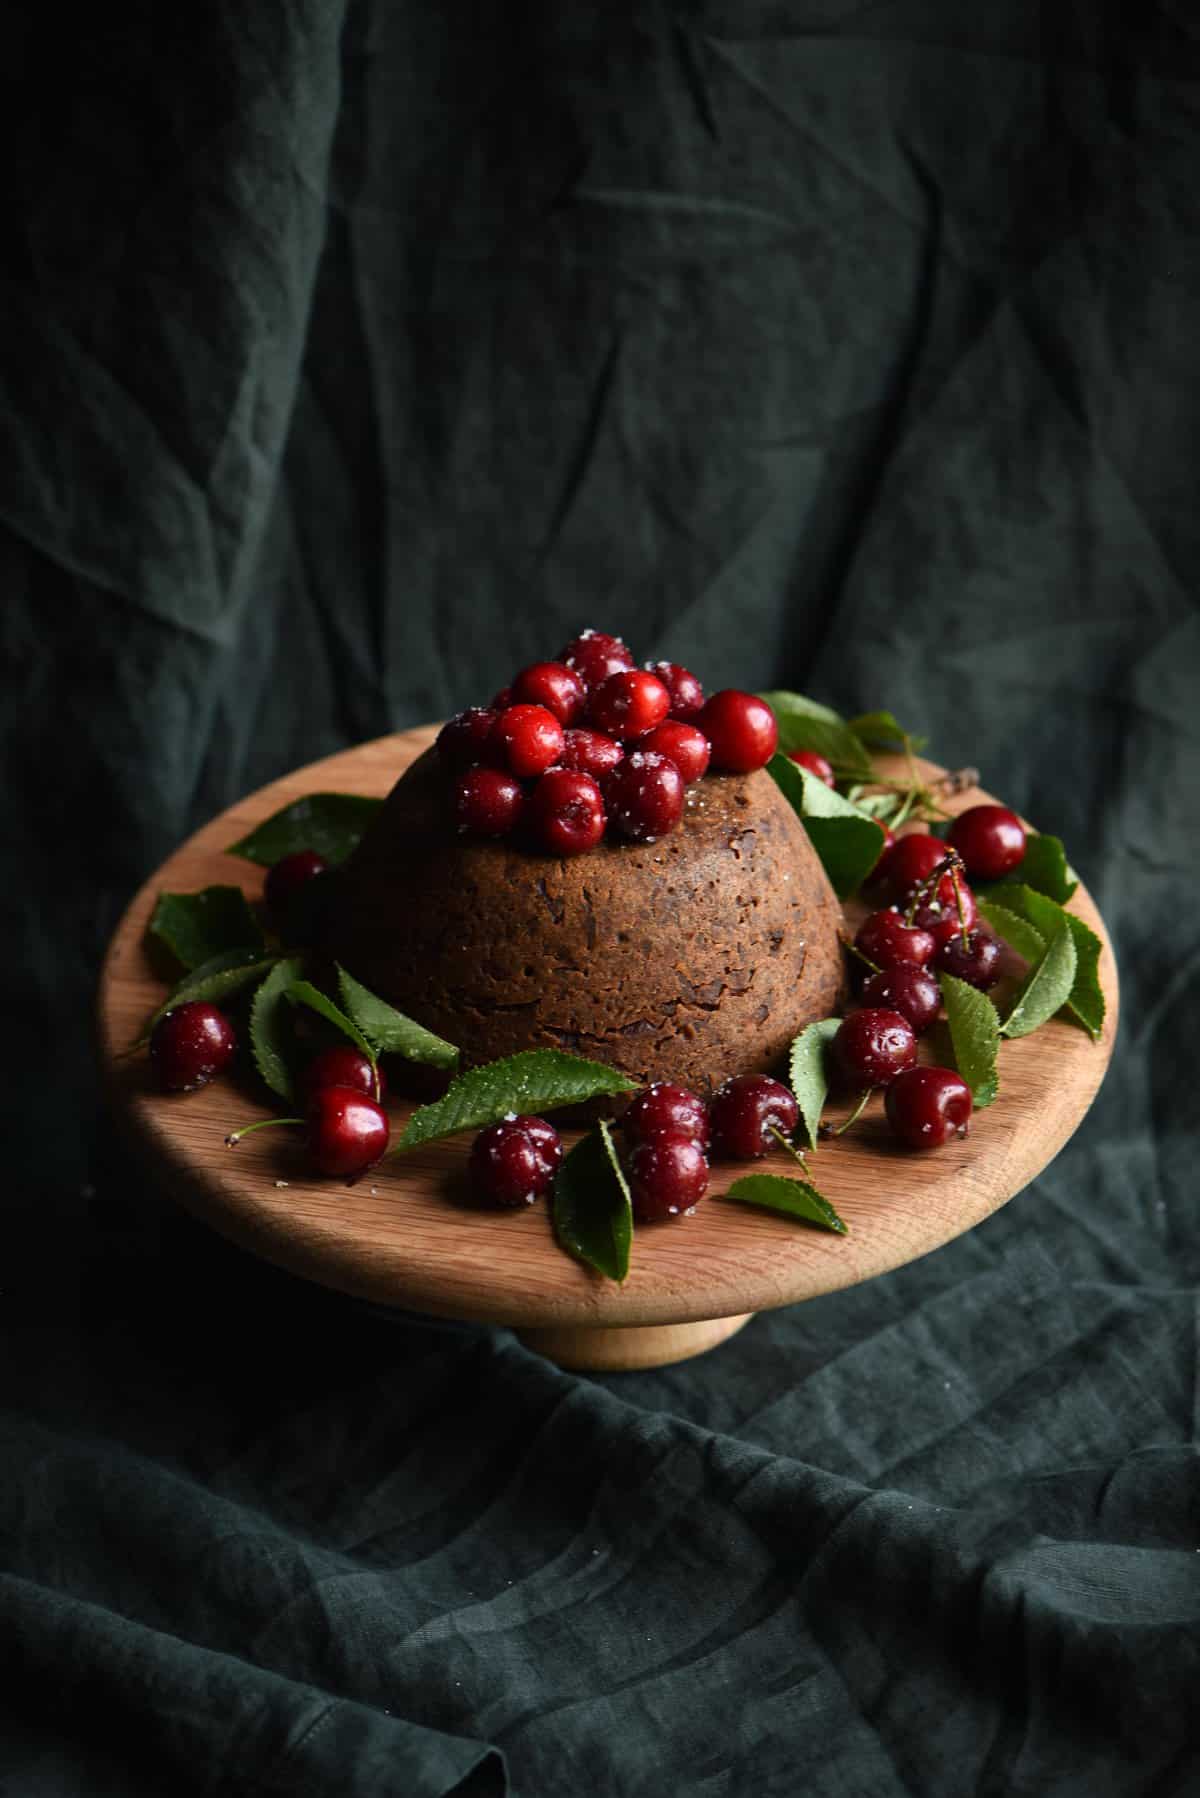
(593, 1214)
(882, 730)
(795, 1198)
(1017, 931)
(1044, 867)
(848, 842)
(1046, 987)
(389, 1030)
(536, 1080)
(1085, 1003)
(974, 1035)
(218, 978)
(808, 1074)
(269, 1036)
(198, 926)
(803, 724)
(331, 823)
(303, 992)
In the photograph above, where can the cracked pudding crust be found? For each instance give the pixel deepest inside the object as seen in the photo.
(686, 959)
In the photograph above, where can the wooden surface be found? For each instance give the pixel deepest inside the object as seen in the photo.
(407, 1235)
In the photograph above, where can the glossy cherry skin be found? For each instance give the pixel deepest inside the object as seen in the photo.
(990, 839)
(940, 915)
(343, 1065)
(815, 762)
(888, 941)
(743, 1112)
(594, 655)
(911, 990)
(628, 704)
(552, 685)
(667, 1176)
(565, 813)
(189, 1045)
(742, 730)
(687, 695)
(590, 752)
(287, 877)
(644, 796)
(872, 1046)
(466, 739)
(545, 1139)
(507, 1166)
(686, 746)
(347, 1131)
(664, 1109)
(488, 802)
(927, 1106)
(527, 739)
(977, 961)
(905, 864)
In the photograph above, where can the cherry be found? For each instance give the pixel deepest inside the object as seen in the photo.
(815, 762)
(628, 704)
(664, 1109)
(872, 1046)
(507, 1165)
(545, 1139)
(887, 940)
(742, 730)
(990, 839)
(687, 695)
(590, 753)
(347, 1130)
(667, 1176)
(503, 700)
(927, 1106)
(464, 740)
(286, 878)
(487, 802)
(594, 655)
(552, 685)
(566, 812)
(342, 1065)
(940, 915)
(528, 739)
(745, 1109)
(644, 795)
(977, 961)
(905, 864)
(189, 1045)
(686, 746)
(908, 989)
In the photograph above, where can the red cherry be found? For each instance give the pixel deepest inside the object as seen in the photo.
(908, 989)
(742, 730)
(644, 795)
(507, 1166)
(503, 700)
(487, 802)
(342, 1065)
(887, 940)
(687, 695)
(667, 1176)
(566, 812)
(686, 746)
(814, 762)
(528, 738)
(872, 1046)
(189, 1045)
(990, 839)
(940, 915)
(628, 704)
(347, 1131)
(464, 741)
(545, 1139)
(977, 961)
(590, 753)
(927, 1106)
(745, 1109)
(664, 1109)
(552, 685)
(594, 655)
(287, 877)
(905, 864)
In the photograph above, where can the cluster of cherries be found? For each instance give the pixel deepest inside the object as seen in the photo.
(588, 743)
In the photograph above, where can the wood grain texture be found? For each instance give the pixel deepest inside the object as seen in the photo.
(408, 1235)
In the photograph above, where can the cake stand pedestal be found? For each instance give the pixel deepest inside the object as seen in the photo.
(408, 1235)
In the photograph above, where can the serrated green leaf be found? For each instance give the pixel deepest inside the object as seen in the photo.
(389, 1030)
(880, 806)
(808, 1075)
(803, 724)
(1045, 868)
(593, 1215)
(795, 1198)
(1015, 930)
(1046, 987)
(536, 1080)
(268, 1026)
(218, 978)
(198, 926)
(303, 992)
(847, 842)
(882, 730)
(1086, 1001)
(330, 823)
(974, 1035)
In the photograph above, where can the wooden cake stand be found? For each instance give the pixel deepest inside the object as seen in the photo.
(407, 1235)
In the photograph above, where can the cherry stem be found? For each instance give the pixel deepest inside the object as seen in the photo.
(854, 1115)
(854, 949)
(232, 1141)
(950, 864)
(958, 900)
(785, 1142)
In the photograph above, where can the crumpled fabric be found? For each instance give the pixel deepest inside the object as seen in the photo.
(351, 356)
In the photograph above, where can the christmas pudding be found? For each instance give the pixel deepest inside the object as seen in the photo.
(598, 862)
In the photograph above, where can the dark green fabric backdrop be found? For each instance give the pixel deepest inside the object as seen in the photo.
(351, 355)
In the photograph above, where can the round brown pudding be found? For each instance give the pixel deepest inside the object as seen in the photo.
(690, 958)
